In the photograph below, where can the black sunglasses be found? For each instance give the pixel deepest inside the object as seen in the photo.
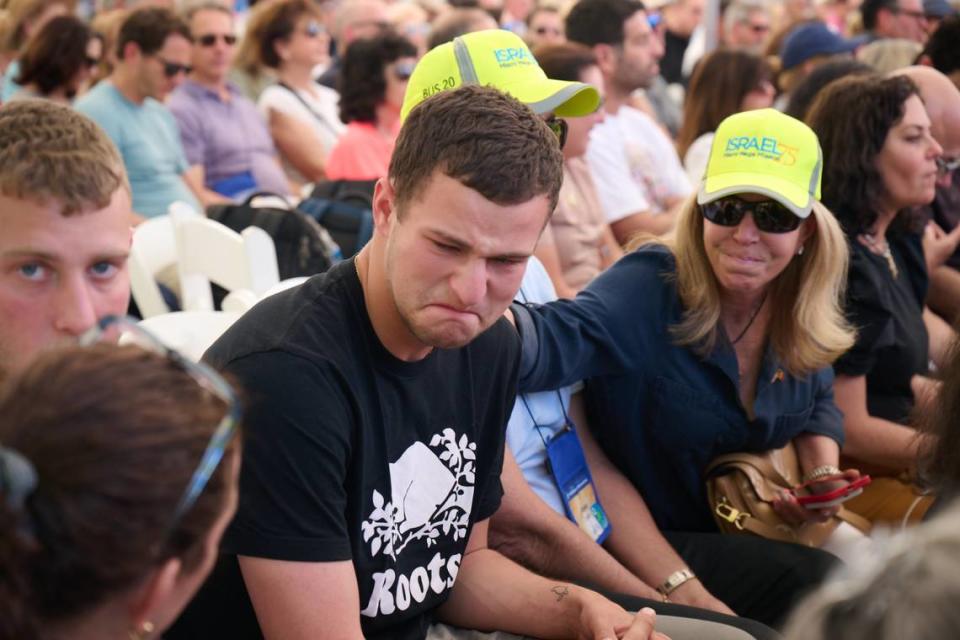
(132, 333)
(210, 39)
(90, 61)
(769, 215)
(403, 70)
(170, 69)
(314, 29)
(559, 128)
(945, 165)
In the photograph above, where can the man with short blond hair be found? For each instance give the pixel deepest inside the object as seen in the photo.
(65, 228)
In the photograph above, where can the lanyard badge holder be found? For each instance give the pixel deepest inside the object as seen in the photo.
(568, 466)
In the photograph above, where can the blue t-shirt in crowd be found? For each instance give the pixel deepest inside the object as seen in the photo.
(149, 142)
(660, 411)
(537, 417)
(9, 87)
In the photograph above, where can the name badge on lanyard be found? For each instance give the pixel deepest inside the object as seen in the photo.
(568, 466)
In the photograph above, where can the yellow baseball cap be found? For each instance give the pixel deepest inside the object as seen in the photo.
(765, 152)
(500, 59)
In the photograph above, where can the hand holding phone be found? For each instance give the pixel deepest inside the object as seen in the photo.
(835, 497)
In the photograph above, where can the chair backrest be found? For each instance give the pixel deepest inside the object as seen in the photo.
(154, 253)
(209, 252)
(189, 332)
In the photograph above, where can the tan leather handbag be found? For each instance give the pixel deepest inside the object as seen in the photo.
(742, 486)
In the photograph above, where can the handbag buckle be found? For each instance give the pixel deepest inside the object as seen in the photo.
(731, 514)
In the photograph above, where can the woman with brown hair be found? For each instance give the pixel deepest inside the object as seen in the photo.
(112, 501)
(302, 115)
(879, 163)
(58, 62)
(725, 82)
(24, 19)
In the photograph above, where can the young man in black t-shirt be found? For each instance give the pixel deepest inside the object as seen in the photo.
(378, 395)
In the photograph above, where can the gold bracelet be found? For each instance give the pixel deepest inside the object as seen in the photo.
(674, 581)
(823, 471)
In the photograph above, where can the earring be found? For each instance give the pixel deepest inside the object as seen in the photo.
(145, 630)
(800, 251)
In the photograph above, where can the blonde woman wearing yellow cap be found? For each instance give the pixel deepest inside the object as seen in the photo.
(716, 341)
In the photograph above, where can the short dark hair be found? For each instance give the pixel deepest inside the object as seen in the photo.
(943, 48)
(55, 54)
(485, 139)
(149, 28)
(592, 22)
(361, 83)
(565, 60)
(277, 22)
(810, 87)
(869, 10)
(852, 118)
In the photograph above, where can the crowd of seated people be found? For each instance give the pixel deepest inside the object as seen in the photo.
(602, 257)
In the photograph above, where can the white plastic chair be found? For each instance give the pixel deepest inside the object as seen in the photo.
(154, 250)
(245, 264)
(189, 332)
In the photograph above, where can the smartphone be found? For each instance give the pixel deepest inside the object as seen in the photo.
(835, 497)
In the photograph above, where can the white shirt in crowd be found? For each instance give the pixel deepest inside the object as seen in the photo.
(634, 165)
(695, 160)
(320, 108)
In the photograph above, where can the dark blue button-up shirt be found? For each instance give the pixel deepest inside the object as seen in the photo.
(660, 411)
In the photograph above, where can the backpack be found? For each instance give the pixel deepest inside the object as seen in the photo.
(345, 209)
(304, 248)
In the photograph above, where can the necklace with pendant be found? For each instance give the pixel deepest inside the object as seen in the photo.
(883, 250)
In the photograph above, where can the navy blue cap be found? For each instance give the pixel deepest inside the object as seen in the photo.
(938, 8)
(813, 39)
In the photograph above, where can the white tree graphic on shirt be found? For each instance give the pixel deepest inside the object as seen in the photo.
(431, 494)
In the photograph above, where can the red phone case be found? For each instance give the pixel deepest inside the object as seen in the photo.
(836, 496)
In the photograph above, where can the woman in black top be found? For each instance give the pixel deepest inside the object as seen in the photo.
(879, 163)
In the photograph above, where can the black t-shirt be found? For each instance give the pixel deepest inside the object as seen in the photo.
(892, 343)
(352, 454)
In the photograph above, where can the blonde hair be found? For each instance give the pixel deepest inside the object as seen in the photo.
(50, 152)
(808, 330)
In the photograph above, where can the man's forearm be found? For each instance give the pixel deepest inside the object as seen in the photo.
(494, 593)
(551, 545)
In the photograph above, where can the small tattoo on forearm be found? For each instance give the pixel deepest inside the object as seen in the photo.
(560, 592)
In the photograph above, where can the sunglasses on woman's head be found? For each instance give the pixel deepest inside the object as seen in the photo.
(210, 39)
(111, 328)
(769, 215)
(559, 128)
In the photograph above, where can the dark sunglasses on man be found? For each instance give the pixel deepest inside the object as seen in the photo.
(947, 165)
(171, 69)
(768, 215)
(210, 39)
